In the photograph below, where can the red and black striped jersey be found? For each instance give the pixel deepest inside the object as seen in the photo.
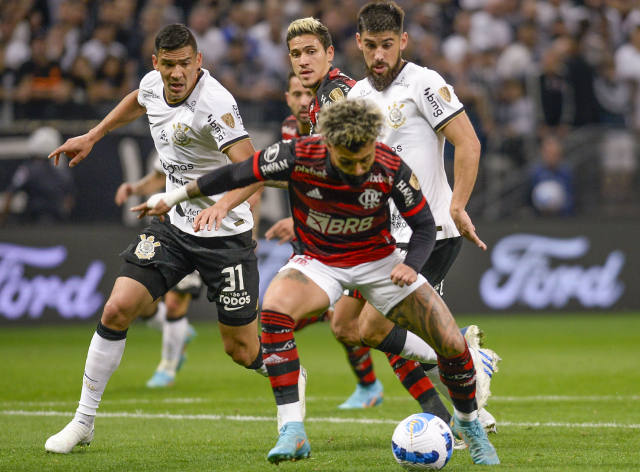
(290, 128)
(335, 86)
(338, 224)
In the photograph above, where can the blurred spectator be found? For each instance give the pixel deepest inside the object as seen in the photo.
(110, 84)
(102, 45)
(517, 58)
(614, 95)
(515, 118)
(41, 85)
(49, 189)
(552, 181)
(619, 166)
(270, 37)
(211, 41)
(456, 46)
(627, 59)
(489, 29)
(551, 93)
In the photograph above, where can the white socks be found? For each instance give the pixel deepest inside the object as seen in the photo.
(290, 412)
(174, 335)
(466, 416)
(102, 360)
(158, 319)
(416, 349)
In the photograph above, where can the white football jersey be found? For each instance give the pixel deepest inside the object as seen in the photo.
(190, 136)
(416, 106)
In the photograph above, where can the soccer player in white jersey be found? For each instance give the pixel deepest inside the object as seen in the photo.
(421, 110)
(196, 126)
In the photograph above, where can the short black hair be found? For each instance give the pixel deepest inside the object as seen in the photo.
(175, 36)
(289, 77)
(379, 17)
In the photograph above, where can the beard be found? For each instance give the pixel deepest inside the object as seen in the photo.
(381, 82)
(353, 181)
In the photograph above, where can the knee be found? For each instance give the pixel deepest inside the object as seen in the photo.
(240, 353)
(368, 332)
(346, 334)
(118, 314)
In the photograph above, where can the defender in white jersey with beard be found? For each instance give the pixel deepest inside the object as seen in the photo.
(421, 110)
(196, 127)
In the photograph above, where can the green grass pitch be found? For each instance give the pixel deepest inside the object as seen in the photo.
(567, 397)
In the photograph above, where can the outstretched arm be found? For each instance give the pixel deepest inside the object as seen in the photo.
(128, 110)
(460, 133)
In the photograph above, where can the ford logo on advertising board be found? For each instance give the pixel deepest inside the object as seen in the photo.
(75, 297)
(524, 271)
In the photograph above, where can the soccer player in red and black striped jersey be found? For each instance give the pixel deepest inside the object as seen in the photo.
(297, 125)
(339, 185)
(311, 52)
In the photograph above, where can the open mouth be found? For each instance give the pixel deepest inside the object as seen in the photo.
(379, 68)
(176, 88)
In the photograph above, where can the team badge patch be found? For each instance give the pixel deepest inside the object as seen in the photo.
(413, 181)
(146, 248)
(336, 94)
(228, 119)
(180, 135)
(396, 118)
(444, 93)
(370, 198)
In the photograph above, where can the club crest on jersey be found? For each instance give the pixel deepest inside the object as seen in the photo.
(396, 118)
(146, 248)
(179, 136)
(370, 198)
(228, 119)
(444, 93)
(336, 94)
(414, 182)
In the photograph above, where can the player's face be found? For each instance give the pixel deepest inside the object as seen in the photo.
(383, 55)
(179, 69)
(298, 99)
(309, 59)
(353, 167)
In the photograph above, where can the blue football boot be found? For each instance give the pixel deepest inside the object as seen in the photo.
(292, 444)
(364, 397)
(472, 432)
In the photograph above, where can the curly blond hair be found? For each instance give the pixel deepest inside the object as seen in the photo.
(350, 124)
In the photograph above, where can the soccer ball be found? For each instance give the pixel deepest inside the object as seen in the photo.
(422, 442)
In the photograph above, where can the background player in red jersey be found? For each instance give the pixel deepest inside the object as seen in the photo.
(340, 184)
(298, 97)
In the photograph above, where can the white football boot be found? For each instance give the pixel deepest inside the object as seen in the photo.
(76, 433)
(302, 386)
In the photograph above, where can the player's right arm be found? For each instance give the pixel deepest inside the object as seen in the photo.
(128, 110)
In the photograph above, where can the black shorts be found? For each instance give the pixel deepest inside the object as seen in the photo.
(163, 255)
(190, 285)
(440, 261)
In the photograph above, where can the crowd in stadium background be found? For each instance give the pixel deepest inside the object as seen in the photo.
(529, 72)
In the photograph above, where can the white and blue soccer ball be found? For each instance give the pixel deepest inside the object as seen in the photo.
(422, 442)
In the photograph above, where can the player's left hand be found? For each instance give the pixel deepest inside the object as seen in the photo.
(155, 206)
(207, 217)
(466, 228)
(403, 274)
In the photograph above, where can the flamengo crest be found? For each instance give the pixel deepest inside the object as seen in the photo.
(146, 248)
(370, 198)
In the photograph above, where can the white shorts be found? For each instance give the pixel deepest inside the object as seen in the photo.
(372, 279)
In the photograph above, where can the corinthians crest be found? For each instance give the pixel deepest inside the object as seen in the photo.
(396, 118)
(146, 248)
(179, 136)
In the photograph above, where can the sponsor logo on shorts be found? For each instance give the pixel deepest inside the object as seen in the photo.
(146, 248)
(235, 301)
